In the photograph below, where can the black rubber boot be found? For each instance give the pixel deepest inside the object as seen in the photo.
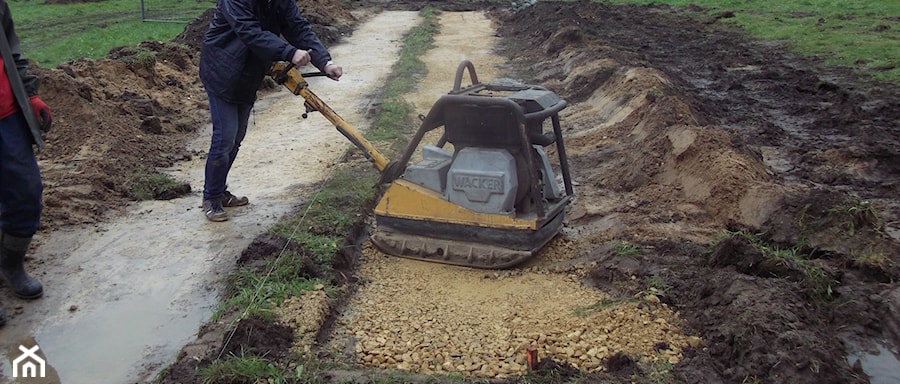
(12, 267)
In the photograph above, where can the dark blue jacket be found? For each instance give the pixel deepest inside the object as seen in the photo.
(244, 39)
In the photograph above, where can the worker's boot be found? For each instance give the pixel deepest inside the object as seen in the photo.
(12, 267)
(213, 210)
(230, 200)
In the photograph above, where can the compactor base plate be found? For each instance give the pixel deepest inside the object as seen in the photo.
(448, 251)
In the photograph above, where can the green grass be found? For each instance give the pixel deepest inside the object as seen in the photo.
(138, 56)
(51, 34)
(150, 186)
(243, 369)
(319, 230)
(658, 373)
(327, 221)
(816, 279)
(626, 249)
(254, 294)
(854, 216)
(874, 259)
(858, 224)
(657, 286)
(863, 34)
(396, 115)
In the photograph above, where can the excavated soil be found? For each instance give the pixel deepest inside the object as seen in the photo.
(701, 129)
(679, 128)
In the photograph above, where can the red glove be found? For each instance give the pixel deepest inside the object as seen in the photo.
(42, 112)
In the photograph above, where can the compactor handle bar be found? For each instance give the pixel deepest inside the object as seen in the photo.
(281, 75)
(285, 74)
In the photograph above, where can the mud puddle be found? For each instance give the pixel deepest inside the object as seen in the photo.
(880, 363)
(121, 298)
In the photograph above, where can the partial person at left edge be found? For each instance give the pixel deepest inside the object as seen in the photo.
(24, 118)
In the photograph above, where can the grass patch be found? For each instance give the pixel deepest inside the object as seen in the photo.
(863, 35)
(657, 286)
(599, 306)
(326, 222)
(872, 259)
(395, 116)
(254, 293)
(51, 34)
(854, 216)
(243, 369)
(320, 231)
(845, 219)
(853, 223)
(658, 373)
(137, 56)
(626, 249)
(155, 186)
(816, 279)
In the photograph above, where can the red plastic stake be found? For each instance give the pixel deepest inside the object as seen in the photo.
(531, 356)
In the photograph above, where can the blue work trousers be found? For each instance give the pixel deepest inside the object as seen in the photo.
(20, 179)
(229, 124)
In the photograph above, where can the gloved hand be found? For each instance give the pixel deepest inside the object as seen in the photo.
(42, 112)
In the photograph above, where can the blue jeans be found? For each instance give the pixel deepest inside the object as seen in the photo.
(20, 179)
(229, 123)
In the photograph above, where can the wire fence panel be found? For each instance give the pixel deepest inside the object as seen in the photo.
(174, 11)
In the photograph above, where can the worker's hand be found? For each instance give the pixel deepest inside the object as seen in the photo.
(334, 71)
(301, 58)
(42, 112)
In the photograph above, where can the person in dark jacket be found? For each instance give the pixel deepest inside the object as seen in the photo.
(23, 118)
(243, 40)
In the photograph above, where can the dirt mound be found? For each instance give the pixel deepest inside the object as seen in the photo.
(115, 120)
(194, 31)
(678, 138)
(330, 19)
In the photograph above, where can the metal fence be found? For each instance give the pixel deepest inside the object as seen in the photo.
(174, 11)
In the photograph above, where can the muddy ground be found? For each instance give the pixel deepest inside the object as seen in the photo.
(727, 133)
(678, 129)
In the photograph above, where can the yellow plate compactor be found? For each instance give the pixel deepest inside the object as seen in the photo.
(485, 195)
